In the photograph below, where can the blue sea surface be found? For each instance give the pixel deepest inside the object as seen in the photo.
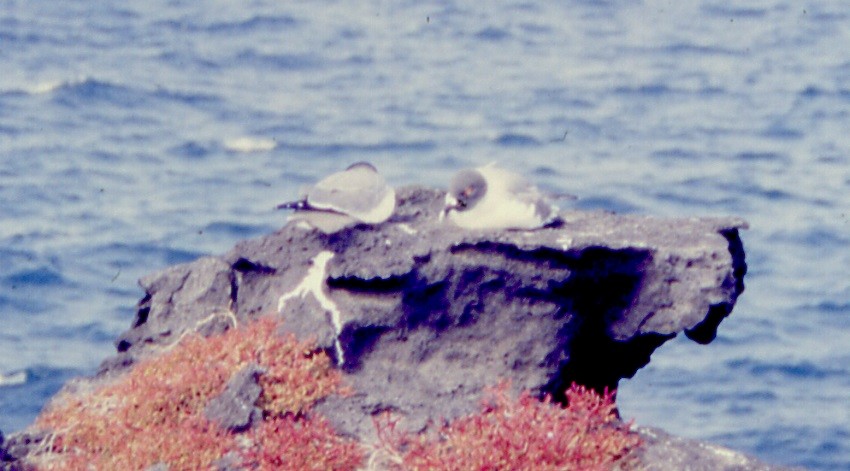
(138, 135)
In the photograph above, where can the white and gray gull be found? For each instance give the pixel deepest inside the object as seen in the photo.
(490, 197)
(356, 195)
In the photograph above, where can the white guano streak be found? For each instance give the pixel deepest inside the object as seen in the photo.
(314, 283)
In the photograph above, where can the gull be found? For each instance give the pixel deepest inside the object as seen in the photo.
(490, 197)
(356, 195)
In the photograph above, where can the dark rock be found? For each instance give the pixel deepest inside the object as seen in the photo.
(5, 458)
(422, 315)
(17, 447)
(662, 452)
(185, 297)
(234, 409)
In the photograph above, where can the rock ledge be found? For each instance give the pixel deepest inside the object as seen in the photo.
(421, 315)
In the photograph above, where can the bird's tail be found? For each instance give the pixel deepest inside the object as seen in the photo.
(296, 205)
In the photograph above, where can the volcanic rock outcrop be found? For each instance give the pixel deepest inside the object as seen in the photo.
(422, 315)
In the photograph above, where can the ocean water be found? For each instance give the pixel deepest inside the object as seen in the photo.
(137, 135)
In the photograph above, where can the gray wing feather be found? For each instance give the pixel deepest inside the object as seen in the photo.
(355, 191)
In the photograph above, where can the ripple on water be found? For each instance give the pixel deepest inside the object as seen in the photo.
(122, 161)
(22, 401)
(789, 370)
(41, 276)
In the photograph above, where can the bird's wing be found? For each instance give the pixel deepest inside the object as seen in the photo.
(359, 191)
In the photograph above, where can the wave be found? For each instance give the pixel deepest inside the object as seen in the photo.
(346, 148)
(786, 370)
(14, 378)
(43, 87)
(42, 276)
(34, 386)
(252, 24)
(516, 140)
(247, 144)
(87, 90)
